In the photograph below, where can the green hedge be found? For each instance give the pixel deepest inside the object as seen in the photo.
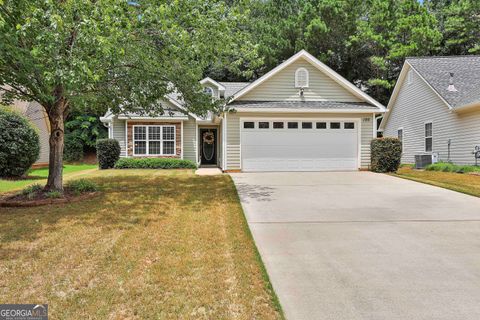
(108, 152)
(450, 167)
(386, 154)
(154, 163)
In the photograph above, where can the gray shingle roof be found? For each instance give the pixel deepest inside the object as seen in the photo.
(436, 71)
(233, 87)
(336, 105)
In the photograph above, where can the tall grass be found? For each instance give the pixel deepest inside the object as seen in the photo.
(450, 167)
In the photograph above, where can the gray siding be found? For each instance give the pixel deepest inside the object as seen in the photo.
(233, 133)
(118, 132)
(39, 118)
(416, 104)
(189, 139)
(281, 86)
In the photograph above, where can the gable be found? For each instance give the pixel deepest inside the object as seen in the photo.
(281, 86)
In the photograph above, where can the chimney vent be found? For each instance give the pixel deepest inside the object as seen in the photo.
(451, 86)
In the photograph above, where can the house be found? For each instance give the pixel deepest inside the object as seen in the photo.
(300, 116)
(435, 108)
(39, 118)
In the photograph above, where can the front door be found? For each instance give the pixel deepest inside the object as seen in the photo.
(208, 146)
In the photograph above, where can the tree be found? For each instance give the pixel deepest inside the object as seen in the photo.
(73, 54)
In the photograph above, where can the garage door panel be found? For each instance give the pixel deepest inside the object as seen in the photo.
(299, 149)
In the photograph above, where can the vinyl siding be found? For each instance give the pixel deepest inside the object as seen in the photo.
(281, 86)
(416, 104)
(39, 118)
(233, 133)
(189, 140)
(118, 133)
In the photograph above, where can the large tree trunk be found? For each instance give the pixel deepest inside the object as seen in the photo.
(56, 142)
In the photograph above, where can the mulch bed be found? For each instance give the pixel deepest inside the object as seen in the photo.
(20, 200)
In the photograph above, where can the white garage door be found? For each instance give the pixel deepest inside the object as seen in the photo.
(299, 145)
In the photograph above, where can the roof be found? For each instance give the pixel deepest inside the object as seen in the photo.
(436, 72)
(167, 114)
(302, 54)
(302, 105)
(233, 87)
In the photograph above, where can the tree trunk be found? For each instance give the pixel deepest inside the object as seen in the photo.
(55, 165)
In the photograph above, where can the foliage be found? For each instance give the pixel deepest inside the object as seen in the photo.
(108, 152)
(73, 150)
(53, 194)
(32, 190)
(86, 128)
(450, 167)
(82, 186)
(20, 144)
(154, 163)
(386, 154)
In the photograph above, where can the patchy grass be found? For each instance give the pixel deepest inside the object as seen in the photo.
(466, 183)
(40, 176)
(155, 244)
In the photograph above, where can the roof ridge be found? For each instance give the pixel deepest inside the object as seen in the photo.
(445, 57)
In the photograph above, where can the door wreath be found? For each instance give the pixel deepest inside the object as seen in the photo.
(208, 145)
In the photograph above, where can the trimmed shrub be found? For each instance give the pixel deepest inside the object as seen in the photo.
(154, 163)
(450, 167)
(108, 152)
(20, 144)
(386, 154)
(73, 150)
(82, 186)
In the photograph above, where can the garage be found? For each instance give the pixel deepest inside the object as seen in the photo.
(299, 145)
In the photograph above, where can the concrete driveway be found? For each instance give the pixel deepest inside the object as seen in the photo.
(359, 245)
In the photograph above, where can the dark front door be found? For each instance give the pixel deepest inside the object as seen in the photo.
(208, 146)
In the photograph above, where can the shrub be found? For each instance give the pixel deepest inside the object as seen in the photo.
(386, 154)
(450, 167)
(73, 150)
(53, 194)
(20, 144)
(154, 163)
(108, 152)
(82, 186)
(32, 190)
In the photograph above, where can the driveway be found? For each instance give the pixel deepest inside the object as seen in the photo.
(360, 245)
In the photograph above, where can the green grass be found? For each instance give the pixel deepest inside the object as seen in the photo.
(155, 244)
(40, 176)
(465, 183)
(450, 167)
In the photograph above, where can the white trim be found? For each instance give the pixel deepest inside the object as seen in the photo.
(147, 140)
(153, 118)
(375, 126)
(302, 110)
(181, 140)
(224, 141)
(319, 65)
(126, 138)
(403, 138)
(302, 69)
(197, 144)
(359, 144)
(215, 83)
(425, 136)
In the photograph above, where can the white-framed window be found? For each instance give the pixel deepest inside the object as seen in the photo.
(301, 78)
(428, 137)
(208, 91)
(249, 125)
(154, 140)
(410, 77)
(400, 136)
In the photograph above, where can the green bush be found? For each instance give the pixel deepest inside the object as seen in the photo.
(32, 190)
(53, 194)
(20, 144)
(154, 163)
(386, 154)
(82, 186)
(108, 152)
(450, 167)
(73, 150)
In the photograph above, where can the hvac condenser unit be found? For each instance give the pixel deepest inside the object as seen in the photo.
(423, 160)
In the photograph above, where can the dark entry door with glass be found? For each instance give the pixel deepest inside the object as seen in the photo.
(208, 146)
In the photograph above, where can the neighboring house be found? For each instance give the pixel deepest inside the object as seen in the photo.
(37, 115)
(435, 108)
(300, 116)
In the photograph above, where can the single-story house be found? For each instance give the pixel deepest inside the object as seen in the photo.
(435, 108)
(300, 116)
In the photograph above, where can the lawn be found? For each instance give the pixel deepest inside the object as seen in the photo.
(466, 183)
(155, 244)
(40, 176)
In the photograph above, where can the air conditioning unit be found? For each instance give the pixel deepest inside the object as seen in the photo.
(423, 160)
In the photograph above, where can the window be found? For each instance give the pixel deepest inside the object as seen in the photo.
(263, 125)
(409, 77)
(400, 136)
(349, 125)
(292, 125)
(154, 140)
(301, 78)
(321, 125)
(334, 125)
(208, 91)
(428, 137)
(306, 125)
(248, 125)
(278, 125)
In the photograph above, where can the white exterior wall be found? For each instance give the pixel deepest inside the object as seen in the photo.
(416, 104)
(118, 133)
(189, 140)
